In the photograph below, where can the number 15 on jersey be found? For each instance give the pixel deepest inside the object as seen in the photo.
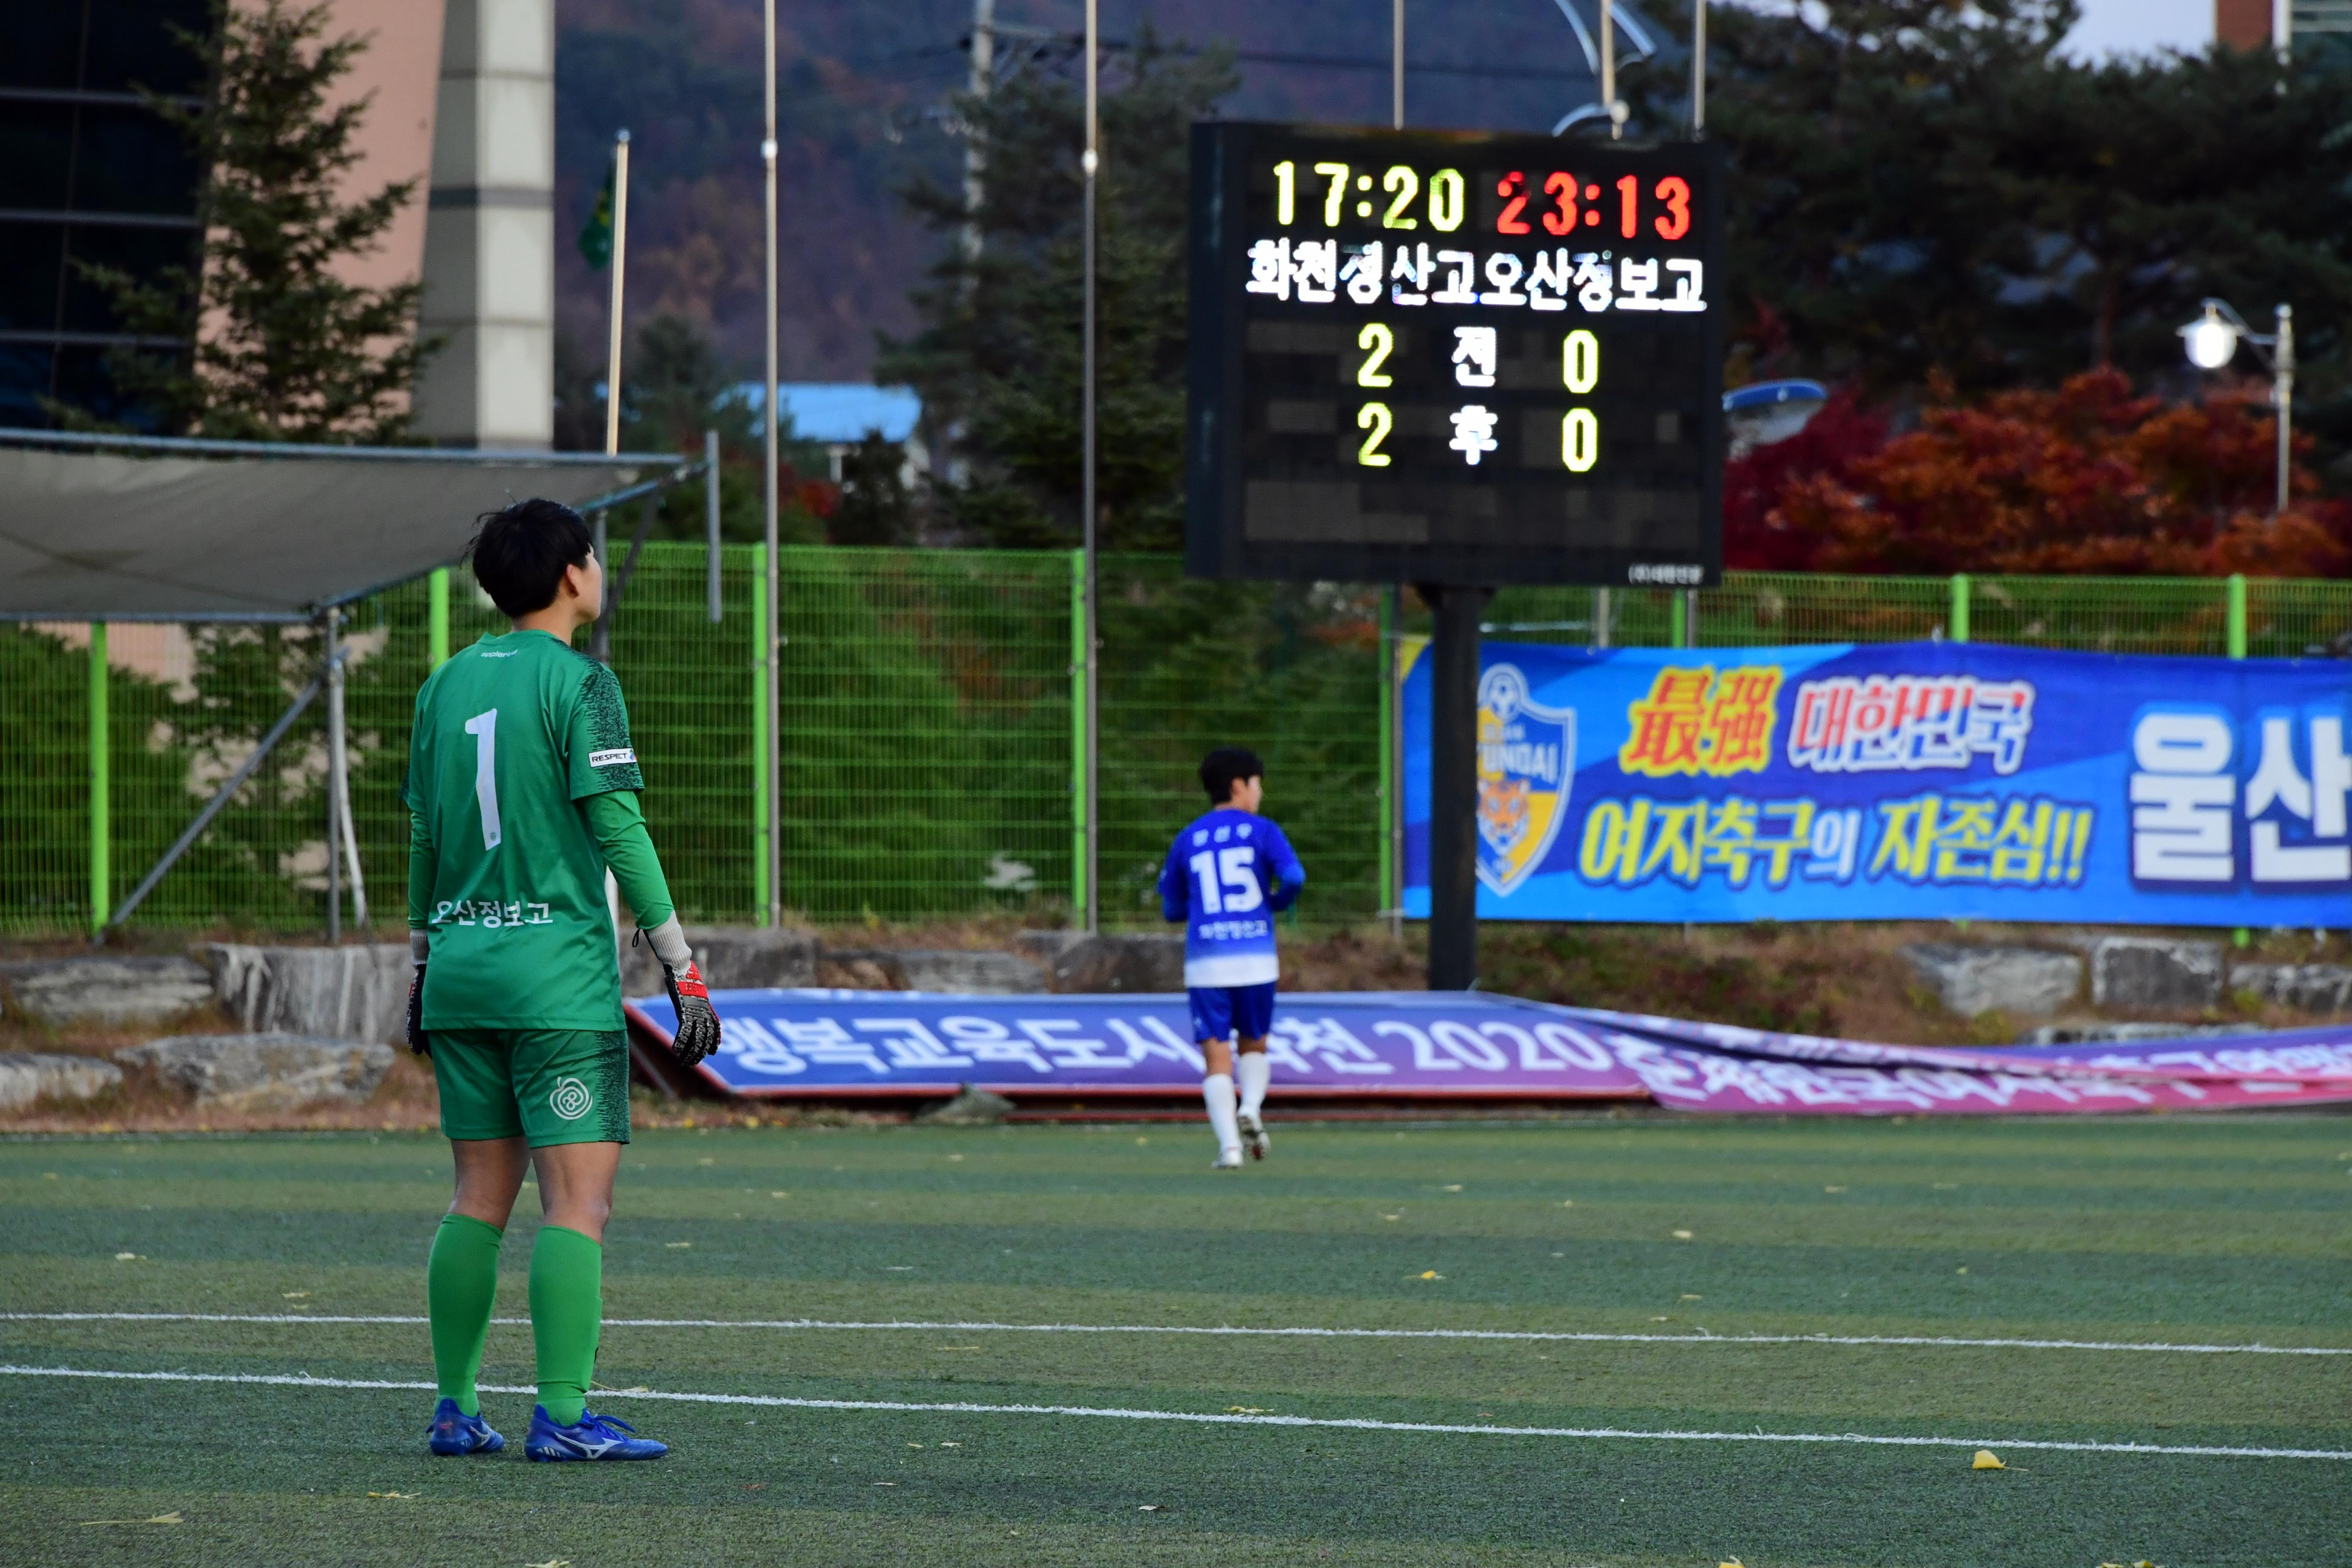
(1227, 879)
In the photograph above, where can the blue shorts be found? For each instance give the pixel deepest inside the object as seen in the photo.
(1220, 1010)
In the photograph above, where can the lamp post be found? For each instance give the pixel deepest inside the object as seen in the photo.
(2211, 342)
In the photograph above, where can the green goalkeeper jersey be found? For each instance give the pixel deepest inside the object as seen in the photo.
(510, 735)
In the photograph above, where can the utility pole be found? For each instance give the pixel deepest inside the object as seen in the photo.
(769, 634)
(1698, 69)
(2282, 393)
(1092, 165)
(1396, 65)
(1609, 70)
(975, 154)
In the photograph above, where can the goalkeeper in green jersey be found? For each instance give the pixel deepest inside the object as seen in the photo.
(521, 791)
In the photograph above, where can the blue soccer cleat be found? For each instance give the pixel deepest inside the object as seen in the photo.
(453, 1432)
(595, 1437)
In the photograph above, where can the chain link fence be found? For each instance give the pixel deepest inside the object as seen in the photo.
(930, 722)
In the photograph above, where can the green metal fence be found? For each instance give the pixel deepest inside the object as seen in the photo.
(929, 723)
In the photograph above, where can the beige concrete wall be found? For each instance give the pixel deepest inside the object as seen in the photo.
(397, 75)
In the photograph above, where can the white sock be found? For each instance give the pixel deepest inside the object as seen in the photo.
(1253, 1070)
(1217, 1090)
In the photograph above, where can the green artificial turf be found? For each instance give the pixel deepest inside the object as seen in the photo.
(2186, 1230)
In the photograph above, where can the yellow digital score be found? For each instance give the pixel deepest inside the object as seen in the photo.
(1376, 419)
(1580, 372)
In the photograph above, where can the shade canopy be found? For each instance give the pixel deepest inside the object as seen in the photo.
(141, 528)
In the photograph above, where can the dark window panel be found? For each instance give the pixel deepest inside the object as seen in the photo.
(141, 252)
(36, 147)
(43, 44)
(30, 254)
(24, 382)
(131, 161)
(132, 46)
(85, 382)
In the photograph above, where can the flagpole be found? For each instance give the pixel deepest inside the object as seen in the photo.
(771, 633)
(620, 260)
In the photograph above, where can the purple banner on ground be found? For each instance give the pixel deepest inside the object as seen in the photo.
(821, 1043)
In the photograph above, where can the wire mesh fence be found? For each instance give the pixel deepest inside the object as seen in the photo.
(929, 762)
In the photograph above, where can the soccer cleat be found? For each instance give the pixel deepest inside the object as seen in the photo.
(1253, 1138)
(453, 1432)
(1227, 1159)
(595, 1438)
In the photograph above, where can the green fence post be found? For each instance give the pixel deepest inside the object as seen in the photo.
(1079, 892)
(101, 814)
(436, 617)
(762, 751)
(1959, 606)
(1677, 630)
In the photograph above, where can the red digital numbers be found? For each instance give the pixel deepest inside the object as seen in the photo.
(1675, 191)
(1563, 217)
(1512, 189)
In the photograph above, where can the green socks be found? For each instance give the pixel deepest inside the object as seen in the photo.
(567, 1310)
(567, 1313)
(461, 1285)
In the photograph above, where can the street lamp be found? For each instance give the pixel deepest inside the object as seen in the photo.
(2212, 341)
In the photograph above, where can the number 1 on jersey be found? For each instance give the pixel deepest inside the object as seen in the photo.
(1204, 876)
(483, 728)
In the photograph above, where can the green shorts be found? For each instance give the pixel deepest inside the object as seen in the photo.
(550, 1086)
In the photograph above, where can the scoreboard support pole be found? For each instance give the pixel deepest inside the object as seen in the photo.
(1453, 786)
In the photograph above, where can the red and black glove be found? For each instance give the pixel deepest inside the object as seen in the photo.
(420, 948)
(416, 1040)
(697, 1034)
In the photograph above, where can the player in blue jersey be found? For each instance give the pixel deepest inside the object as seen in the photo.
(1227, 876)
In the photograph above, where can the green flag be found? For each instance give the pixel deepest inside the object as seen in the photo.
(596, 234)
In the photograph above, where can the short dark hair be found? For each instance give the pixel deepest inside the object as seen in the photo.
(519, 553)
(1226, 767)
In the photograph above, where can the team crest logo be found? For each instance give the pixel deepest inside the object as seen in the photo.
(1526, 759)
(571, 1098)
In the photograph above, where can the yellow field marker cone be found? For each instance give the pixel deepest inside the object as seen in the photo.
(1986, 1459)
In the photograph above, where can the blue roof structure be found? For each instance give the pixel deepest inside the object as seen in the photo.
(1765, 393)
(841, 413)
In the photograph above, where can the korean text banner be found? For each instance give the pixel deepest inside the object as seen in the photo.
(1907, 781)
(829, 1045)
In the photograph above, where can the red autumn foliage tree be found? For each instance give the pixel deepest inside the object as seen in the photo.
(2087, 479)
(1756, 536)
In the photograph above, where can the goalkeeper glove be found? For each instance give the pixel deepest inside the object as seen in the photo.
(420, 948)
(697, 1034)
(698, 1024)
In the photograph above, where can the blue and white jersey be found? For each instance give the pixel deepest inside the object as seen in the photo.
(1227, 876)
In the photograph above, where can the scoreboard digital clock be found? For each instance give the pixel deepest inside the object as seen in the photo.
(1453, 358)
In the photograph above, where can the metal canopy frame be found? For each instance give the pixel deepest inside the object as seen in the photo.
(342, 843)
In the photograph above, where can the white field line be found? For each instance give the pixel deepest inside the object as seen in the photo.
(1205, 1418)
(1540, 1336)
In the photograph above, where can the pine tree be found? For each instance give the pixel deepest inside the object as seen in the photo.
(282, 349)
(998, 361)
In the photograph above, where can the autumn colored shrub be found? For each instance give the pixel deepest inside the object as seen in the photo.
(2089, 478)
(1756, 537)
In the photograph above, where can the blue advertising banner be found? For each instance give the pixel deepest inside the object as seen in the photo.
(1410, 1046)
(1903, 780)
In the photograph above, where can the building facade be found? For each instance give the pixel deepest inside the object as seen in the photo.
(461, 99)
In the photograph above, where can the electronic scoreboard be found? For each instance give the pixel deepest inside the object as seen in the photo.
(1453, 358)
